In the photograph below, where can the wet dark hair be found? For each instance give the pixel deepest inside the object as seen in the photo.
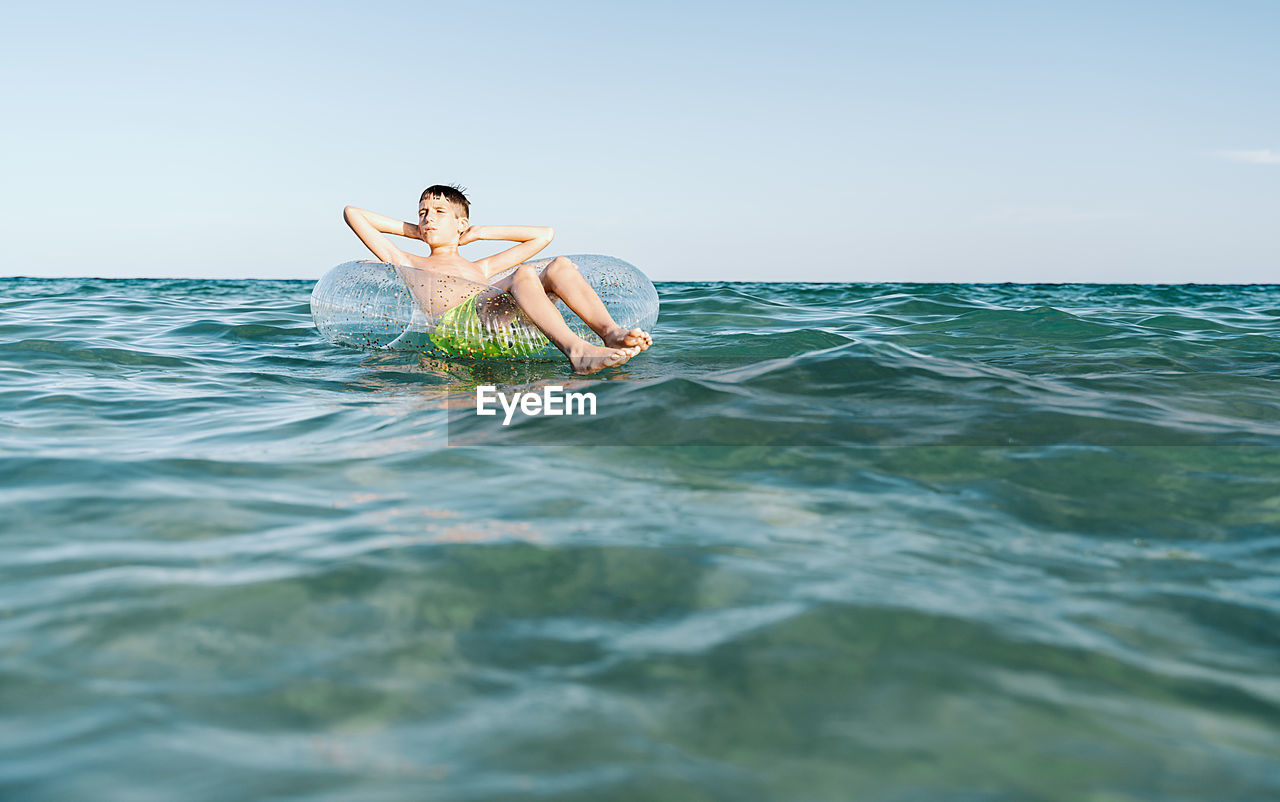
(450, 193)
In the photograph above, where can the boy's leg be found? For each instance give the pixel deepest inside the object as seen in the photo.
(562, 278)
(525, 285)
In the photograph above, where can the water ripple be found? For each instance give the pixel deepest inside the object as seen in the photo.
(829, 540)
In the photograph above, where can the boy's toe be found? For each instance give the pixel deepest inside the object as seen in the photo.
(620, 356)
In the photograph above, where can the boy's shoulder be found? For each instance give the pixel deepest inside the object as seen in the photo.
(420, 262)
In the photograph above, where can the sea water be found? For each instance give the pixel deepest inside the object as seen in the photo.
(821, 542)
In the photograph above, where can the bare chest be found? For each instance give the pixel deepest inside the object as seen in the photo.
(457, 268)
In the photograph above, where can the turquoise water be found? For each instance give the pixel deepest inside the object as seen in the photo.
(930, 542)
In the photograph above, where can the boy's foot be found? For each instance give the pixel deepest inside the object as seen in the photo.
(593, 358)
(632, 338)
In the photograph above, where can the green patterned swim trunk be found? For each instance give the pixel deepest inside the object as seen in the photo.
(461, 332)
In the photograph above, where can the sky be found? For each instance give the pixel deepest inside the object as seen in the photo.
(806, 141)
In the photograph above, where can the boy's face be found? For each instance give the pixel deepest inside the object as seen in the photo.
(439, 223)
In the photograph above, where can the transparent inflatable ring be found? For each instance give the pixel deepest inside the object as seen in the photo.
(381, 306)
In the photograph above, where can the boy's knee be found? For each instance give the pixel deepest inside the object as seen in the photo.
(524, 273)
(561, 264)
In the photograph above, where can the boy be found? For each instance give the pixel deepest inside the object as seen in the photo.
(444, 225)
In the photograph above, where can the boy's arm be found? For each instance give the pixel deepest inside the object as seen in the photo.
(532, 239)
(372, 229)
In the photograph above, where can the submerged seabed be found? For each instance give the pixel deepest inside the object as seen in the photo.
(936, 542)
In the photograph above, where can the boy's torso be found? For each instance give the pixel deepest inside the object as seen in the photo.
(440, 284)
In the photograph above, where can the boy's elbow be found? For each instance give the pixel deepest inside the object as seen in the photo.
(349, 212)
(550, 233)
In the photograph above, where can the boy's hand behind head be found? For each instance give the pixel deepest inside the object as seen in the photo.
(468, 236)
